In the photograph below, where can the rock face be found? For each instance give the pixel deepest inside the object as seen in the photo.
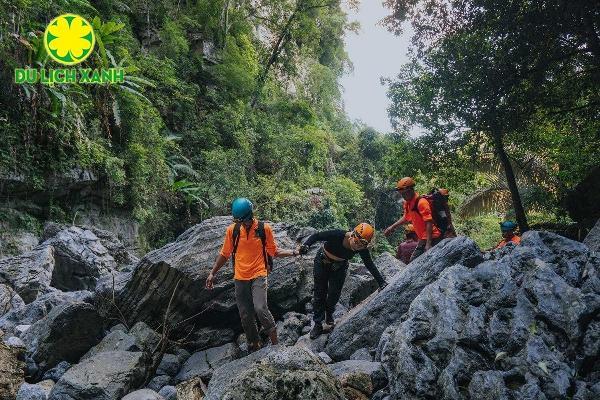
(275, 372)
(11, 372)
(9, 299)
(109, 375)
(592, 240)
(363, 325)
(30, 273)
(511, 328)
(185, 264)
(80, 258)
(64, 335)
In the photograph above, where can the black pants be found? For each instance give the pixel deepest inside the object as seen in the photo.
(329, 280)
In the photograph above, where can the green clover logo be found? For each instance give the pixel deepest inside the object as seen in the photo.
(69, 39)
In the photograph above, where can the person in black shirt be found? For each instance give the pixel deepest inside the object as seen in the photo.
(331, 265)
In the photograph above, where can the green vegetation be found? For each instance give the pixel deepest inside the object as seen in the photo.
(224, 98)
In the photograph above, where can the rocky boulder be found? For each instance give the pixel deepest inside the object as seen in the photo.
(592, 239)
(9, 299)
(184, 265)
(203, 363)
(363, 325)
(38, 309)
(80, 257)
(143, 394)
(275, 372)
(509, 328)
(108, 376)
(30, 273)
(374, 371)
(65, 334)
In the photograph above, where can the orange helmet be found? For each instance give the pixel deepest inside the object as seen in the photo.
(444, 192)
(364, 231)
(405, 183)
(409, 228)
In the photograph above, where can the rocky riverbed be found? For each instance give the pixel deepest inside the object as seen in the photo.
(82, 318)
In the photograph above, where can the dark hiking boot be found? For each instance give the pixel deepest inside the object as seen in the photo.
(316, 331)
(329, 319)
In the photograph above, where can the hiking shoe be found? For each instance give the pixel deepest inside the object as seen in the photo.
(316, 331)
(329, 319)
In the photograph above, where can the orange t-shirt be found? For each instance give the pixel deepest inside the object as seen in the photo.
(418, 219)
(515, 239)
(249, 259)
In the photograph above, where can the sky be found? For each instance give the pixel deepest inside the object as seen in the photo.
(375, 53)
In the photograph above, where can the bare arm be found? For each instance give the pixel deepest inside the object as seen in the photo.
(285, 253)
(429, 231)
(394, 226)
(219, 262)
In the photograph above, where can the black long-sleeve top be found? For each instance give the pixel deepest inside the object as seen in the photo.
(334, 244)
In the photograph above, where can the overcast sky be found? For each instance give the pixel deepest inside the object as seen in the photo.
(375, 53)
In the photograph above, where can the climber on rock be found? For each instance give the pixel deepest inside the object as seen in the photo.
(251, 246)
(408, 246)
(418, 211)
(508, 233)
(331, 265)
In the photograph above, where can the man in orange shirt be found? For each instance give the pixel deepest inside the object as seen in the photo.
(251, 245)
(508, 233)
(418, 212)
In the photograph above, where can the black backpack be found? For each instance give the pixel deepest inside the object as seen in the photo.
(439, 209)
(260, 231)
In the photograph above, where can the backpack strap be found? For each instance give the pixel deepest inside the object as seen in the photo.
(260, 231)
(236, 241)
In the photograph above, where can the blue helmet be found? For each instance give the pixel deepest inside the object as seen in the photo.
(507, 226)
(242, 209)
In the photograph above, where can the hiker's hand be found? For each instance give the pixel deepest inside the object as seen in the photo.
(210, 281)
(388, 231)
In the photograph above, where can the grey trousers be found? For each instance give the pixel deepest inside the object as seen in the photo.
(251, 299)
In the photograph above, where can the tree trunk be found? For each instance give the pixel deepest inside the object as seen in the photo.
(510, 179)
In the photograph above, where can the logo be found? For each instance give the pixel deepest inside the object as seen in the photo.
(69, 39)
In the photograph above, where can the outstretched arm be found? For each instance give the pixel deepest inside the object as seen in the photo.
(390, 229)
(366, 257)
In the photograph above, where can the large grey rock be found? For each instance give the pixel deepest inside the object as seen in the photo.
(360, 283)
(203, 363)
(65, 334)
(108, 375)
(39, 309)
(592, 239)
(206, 337)
(363, 325)
(290, 329)
(11, 371)
(114, 341)
(147, 338)
(274, 372)
(158, 382)
(38, 391)
(185, 264)
(9, 300)
(55, 373)
(169, 365)
(143, 394)
(30, 273)
(515, 327)
(80, 257)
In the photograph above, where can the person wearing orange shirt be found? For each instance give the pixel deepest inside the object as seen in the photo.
(417, 211)
(251, 246)
(508, 233)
